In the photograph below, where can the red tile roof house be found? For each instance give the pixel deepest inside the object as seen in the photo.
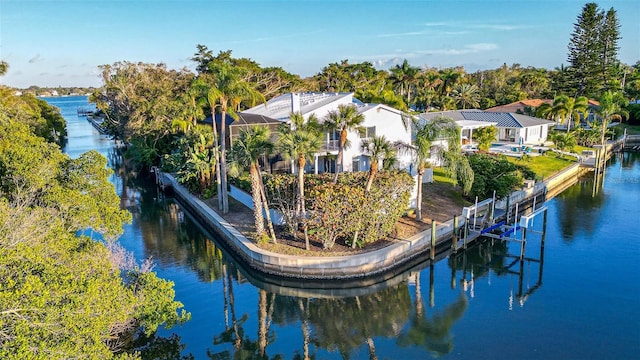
(521, 107)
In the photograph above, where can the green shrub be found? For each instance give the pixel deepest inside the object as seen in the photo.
(338, 211)
(496, 173)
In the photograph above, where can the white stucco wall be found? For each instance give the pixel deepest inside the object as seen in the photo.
(534, 135)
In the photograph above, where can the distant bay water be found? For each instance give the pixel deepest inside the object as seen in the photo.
(579, 302)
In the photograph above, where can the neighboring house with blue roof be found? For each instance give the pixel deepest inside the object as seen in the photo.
(379, 120)
(512, 128)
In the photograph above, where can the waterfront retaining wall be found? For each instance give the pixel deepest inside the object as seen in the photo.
(309, 267)
(356, 266)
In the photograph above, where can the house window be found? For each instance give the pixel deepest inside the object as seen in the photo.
(368, 132)
(333, 135)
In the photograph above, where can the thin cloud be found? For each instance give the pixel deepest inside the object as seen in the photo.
(457, 28)
(437, 24)
(467, 49)
(35, 59)
(429, 32)
(270, 38)
(455, 32)
(498, 27)
(409, 33)
(485, 26)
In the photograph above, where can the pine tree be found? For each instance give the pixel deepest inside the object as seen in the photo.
(593, 51)
(610, 34)
(585, 48)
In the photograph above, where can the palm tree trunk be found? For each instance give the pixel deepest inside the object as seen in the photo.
(305, 329)
(262, 322)
(339, 161)
(234, 320)
(301, 163)
(257, 202)
(372, 174)
(225, 297)
(303, 210)
(223, 161)
(265, 206)
(418, 297)
(419, 196)
(372, 349)
(216, 154)
(603, 161)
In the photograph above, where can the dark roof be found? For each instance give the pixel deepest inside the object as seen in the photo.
(244, 119)
(501, 119)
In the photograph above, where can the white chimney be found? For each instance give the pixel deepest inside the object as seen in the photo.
(295, 102)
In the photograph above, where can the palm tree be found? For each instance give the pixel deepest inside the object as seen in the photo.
(346, 118)
(385, 96)
(248, 148)
(467, 95)
(300, 141)
(429, 81)
(229, 91)
(450, 77)
(425, 134)
(405, 76)
(378, 149)
(563, 141)
(204, 87)
(610, 108)
(434, 333)
(566, 107)
(545, 111)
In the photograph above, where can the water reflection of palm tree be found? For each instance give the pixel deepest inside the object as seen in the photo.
(243, 346)
(344, 324)
(306, 334)
(434, 333)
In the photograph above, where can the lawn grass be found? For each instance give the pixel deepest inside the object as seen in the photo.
(578, 149)
(545, 165)
(439, 175)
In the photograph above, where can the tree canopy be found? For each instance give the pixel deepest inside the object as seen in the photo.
(63, 294)
(593, 51)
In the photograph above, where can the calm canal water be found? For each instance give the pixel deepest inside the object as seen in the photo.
(579, 302)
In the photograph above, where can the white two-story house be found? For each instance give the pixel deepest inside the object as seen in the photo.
(378, 120)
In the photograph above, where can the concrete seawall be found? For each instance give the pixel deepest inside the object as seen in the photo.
(310, 267)
(399, 255)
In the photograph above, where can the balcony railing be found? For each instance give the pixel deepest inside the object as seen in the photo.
(330, 145)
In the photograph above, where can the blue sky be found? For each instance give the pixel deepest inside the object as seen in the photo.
(62, 43)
